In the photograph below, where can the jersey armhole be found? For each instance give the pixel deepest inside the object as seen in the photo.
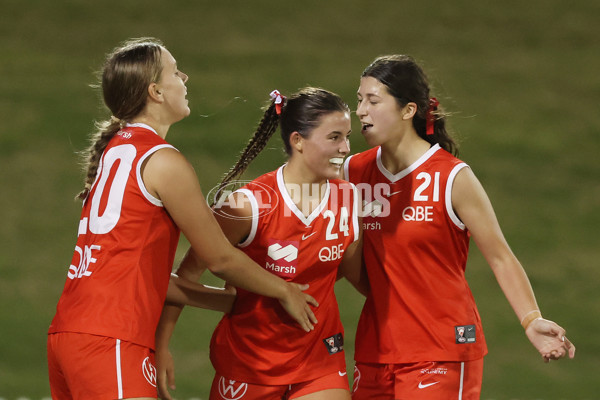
(448, 199)
(254, 205)
(140, 181)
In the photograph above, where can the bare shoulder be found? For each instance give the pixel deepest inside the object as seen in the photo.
(465, 185)
(166, 170)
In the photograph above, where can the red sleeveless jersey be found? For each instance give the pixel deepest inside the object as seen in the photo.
(420, 307)
(118, 278)
(258, 342)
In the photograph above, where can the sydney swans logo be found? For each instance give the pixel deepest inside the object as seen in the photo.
(149, 371)
(232, 390)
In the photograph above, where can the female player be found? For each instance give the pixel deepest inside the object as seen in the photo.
(298, 222)
(419, 335)
(139, 193)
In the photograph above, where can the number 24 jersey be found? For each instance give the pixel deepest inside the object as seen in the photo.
(258, 342)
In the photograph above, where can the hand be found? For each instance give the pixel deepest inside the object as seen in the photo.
(549, 339)
(165, 373)
(296, 303)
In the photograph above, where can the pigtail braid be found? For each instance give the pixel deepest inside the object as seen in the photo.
(266, 127)
(106, 130)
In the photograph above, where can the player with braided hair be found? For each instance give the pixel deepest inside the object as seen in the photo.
(139, 193)
(300, 222)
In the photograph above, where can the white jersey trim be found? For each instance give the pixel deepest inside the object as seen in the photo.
(448, 199)
(292, 206)
(395, 177)
(140, 125)
(347, 168)
(138, 173)
(254, 206)
(355, 213)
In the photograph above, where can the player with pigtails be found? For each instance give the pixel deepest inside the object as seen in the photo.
(300, 222)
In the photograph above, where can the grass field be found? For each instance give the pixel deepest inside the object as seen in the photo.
(521, 79)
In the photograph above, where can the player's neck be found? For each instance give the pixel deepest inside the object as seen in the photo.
(307, 194)
(399, 155)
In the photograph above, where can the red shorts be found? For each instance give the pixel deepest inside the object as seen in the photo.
(226, 389)
(418, 381)
(82, 366)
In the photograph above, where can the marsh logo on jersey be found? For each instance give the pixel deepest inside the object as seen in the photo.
(282, 257)
(334, 343)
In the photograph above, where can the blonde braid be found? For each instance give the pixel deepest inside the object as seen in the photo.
(106, 131)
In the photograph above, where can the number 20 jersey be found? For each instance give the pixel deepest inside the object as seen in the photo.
(258, 342)
(118, 278)
(420, 307)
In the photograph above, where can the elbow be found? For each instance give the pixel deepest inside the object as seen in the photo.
(221, 266)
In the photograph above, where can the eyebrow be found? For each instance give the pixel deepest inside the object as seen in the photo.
(339, 133)
(369, 95)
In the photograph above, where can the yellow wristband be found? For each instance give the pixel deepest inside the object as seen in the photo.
(530, 317)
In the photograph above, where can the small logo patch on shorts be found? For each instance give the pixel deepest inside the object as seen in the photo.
(334, 343)
(149, 371)
(465, 334)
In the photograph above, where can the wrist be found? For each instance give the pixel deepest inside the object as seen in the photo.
(530, 317)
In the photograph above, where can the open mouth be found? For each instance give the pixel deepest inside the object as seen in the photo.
(337, 161)
(366, 127)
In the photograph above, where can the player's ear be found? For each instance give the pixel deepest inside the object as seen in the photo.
(296, 141)
(409, 110)
(155, 93)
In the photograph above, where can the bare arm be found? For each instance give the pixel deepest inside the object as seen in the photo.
(352, 266)
(172, 179)
(190, 270)
(474, 208)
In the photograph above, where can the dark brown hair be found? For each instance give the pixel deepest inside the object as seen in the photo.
(301, 113)
(407, 82)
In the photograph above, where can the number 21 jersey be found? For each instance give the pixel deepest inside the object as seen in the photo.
(420, 307)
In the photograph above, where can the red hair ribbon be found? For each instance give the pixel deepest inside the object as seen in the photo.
(433, 105)
(277, 98)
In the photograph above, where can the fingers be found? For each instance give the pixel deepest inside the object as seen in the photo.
(311, 315)
(567, 348)
(570, 347)
(171, 379)
(301, 286)
(163, 393)
(311, 300)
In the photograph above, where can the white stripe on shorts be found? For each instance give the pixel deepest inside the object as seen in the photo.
(462, 377)
(119, 379)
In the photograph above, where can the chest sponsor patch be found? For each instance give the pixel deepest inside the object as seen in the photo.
(334, 343)
(282, 258)
(464, 334)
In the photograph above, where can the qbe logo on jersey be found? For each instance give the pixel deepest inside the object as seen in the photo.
(282, 257)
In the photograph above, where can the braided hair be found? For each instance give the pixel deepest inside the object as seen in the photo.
(301, 113)
(127, 72)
